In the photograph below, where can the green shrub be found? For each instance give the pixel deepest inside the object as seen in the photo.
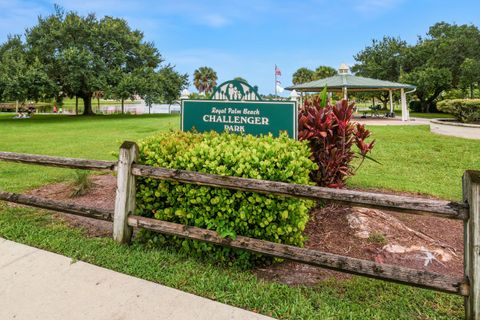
(81, 183)
(229, 212)
(464, 110)
(416, 106)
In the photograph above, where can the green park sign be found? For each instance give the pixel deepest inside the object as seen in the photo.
(228, 111)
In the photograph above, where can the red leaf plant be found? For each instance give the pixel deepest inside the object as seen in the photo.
(332, 134)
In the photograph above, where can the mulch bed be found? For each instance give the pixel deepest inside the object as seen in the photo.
(328, 230)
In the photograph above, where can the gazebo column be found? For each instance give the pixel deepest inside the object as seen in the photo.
(391, 102)
(345, 95)
(405, 115)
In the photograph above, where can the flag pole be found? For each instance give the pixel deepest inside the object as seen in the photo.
(275, 72)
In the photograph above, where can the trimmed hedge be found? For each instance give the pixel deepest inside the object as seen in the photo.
(229, 212)
(464, 110)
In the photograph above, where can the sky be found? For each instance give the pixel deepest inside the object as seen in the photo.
(247, 38)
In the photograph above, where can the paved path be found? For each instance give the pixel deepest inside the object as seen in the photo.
(36, 284)
(392, 121)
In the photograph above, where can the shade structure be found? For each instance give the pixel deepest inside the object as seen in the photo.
(346, 82)
(353, 83)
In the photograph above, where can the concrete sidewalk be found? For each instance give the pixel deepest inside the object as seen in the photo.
(36, 284)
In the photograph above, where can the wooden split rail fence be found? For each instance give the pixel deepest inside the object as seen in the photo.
(124, 220)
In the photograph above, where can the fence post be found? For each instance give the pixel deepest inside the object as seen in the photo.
(471, 194)
(125, 198)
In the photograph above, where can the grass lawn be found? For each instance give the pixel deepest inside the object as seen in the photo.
(412, 159)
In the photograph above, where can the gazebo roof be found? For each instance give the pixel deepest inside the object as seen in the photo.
(351, 82)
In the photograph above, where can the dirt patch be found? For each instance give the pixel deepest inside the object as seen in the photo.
(101, 195)
(329, 230)
(414, 241)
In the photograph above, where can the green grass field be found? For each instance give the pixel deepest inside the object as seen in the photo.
(412, 160)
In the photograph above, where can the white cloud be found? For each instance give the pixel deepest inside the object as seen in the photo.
(375, 6)
(214, 20)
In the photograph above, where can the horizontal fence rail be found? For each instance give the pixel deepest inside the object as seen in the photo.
(419, 278)
(71, 208)
(58, 161)
(440, 208)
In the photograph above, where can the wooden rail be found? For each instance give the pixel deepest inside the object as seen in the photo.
(124, 220)
(42, 203)
(439, 208)
(424, 279)
(58, 161)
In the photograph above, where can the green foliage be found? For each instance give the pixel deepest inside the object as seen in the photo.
(464, 110)
(81, 183)
(446, 57)
(450, 45)
(205, 79)
(162, 86)
(229, 212)
(381, 60)
(21, 78)
(377, 238)
(430, 83)
(470, 74)
(75, 56)
(303, 75)
(240, 79)
(324, 72)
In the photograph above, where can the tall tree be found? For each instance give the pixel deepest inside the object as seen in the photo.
(21, 79)
(83, 54)
(383, 60)
(303, 75)
(430, 82)
(470, 74)
(324, 72)
(162, 86)
(205, 79)
(449, 46)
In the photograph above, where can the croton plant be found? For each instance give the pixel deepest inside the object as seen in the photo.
(332, 135)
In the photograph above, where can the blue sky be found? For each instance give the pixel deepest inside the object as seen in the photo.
(247, 38)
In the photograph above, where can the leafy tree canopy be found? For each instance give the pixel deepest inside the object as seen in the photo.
(430, 83)
(324, 72)
(303, 75)
(437, 62)
(81, 55)
(240, 79)
(381, 60)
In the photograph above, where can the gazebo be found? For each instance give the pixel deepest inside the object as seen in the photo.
(345, 82)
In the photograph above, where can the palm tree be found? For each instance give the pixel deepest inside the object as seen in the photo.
(205, 79)
(302, 75)
(324, 72)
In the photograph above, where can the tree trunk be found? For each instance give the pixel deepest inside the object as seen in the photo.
(76, 105)
(471, 90)
(87, 105)
(425, 106)
(123, 107)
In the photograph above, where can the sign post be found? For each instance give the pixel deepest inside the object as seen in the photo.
(230, 111)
